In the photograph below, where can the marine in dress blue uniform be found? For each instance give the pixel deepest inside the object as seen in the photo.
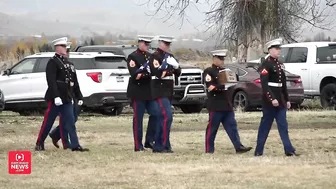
(275, 99)
(58, 97)
(139, 91)
(220, 107)
(76, 93)
(164, 68)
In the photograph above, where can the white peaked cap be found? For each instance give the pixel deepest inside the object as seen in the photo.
(68, 45)
(164, 38)
(61, 41)
(221, 52)
(145, 38)
(274, 43)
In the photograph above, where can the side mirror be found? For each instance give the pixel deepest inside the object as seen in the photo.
(6, 72)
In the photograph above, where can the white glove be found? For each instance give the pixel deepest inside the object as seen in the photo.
(80, 102)
(58, 101)
(171, 61)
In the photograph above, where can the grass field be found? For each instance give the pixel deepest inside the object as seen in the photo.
(111, 163)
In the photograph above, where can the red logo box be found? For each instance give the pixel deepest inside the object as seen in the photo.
(19, 162)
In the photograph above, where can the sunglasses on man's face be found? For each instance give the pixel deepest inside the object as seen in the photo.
(147, 43)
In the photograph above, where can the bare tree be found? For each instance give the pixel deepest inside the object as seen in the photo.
(248, 24)
(331, 3)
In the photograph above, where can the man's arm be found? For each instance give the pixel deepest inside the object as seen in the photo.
(132, 68)
(211, 83)
(154, 65)
(284, 86)
(264, 77)
(51, 71)
(77, 91)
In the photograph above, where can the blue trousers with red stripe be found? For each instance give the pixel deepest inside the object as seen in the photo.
(165, 119)
(139, 108)
(227, 118)
(57, 133)
(269, 114)
(67, 123)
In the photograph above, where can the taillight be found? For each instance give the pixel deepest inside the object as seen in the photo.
(298, 80)
(95, 76)
(257, 81)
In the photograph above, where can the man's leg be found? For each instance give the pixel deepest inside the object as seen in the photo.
(211, 131)
(150, 133)
(283, 130)
(158, 142)
(138, 113)
(68, 124)
(230, 125)
(165, 108)
(48, 121)
(264, 129)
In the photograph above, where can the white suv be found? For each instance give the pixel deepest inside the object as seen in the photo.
(103, 79)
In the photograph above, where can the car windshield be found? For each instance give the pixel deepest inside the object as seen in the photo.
(110, 63)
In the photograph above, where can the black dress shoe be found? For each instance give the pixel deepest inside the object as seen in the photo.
(80, 149)
(243, 149)
(54, 141)
(168, 151)
(257, 154)
(292, 154)
(139, 150)
(39, 147)
(149, 145)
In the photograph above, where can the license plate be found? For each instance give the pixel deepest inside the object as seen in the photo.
(120, 79)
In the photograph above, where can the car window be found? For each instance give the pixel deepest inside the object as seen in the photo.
(128, 51)
(110, 62)
(326, 54)
(82, 63)
(24, 67)
(42, 65)
(283, 54)
(241, 72)
(298, 55)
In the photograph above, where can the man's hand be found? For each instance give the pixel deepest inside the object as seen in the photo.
(275, 103)
(288, 105)
(138, 76)
(172, 61)
(80, 102)
(58, 101)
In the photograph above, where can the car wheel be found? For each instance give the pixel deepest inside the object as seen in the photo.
(328, 96)
(114, 111)
(240, 101)
(191, 108)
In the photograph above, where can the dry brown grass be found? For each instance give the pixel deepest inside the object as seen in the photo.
(113, 164)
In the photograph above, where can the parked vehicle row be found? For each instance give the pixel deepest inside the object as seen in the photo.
(103, 78)
(315, 62)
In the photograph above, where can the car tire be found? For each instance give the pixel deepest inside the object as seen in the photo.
(191, 108)
(115, 111)
(240, 101)
(328, 96)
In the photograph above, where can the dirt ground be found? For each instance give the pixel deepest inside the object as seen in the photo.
(111, 163)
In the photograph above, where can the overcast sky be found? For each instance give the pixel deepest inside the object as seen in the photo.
(115, 7)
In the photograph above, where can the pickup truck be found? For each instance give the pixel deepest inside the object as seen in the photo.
(315, 62)
(189, 91)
